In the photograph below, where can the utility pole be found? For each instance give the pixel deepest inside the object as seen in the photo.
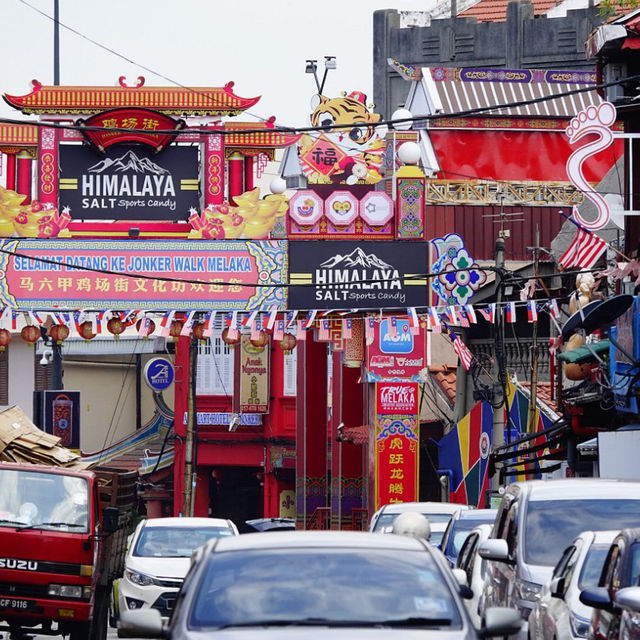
(190, 446)
(498, 394)
(56, 42)
(534, 345)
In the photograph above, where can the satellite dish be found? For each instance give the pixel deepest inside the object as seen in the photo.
(604, 314)
(575, 321)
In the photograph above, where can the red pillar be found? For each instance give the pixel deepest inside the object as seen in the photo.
(24, 175)
(11, 171)
(201, 499)
(181, 391)
(236, 166)
(248, 173)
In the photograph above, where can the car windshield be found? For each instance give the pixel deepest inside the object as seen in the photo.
(592, 566)
(41, 500)
(386, 519)
(175, 542)
(461, 529)
(551, 525)
(352, 586)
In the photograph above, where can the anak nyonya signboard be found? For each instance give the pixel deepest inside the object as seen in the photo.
(139, 274)
(397, 442)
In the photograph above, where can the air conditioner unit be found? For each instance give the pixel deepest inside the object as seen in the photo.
(614, 72)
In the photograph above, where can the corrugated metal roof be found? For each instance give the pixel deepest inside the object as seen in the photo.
(470, 88)
(496, 10)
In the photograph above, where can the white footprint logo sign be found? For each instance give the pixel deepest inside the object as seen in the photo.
(597, 121)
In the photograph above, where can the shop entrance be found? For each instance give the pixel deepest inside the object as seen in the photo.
(236, 493)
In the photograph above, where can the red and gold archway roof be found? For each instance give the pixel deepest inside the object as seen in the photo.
(18, 134)
(169, 100)
(257, 135)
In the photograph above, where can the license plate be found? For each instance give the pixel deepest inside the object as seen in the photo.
(17, 604)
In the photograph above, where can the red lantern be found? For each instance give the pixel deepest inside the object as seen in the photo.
(151, 327)
(116, 326)
(5, 339)
(59, 332)
(288, 343)
(30, 334)
(176, 328)
(198, 331)
(262, 340)
(86, 331)
(227, 339)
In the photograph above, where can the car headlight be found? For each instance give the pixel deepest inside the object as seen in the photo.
(528, 590)
(579, 626)
(140, 579)
(65, 590)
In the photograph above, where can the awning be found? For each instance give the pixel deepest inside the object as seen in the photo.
(585, 353)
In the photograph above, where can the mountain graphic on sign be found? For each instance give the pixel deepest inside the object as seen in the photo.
(127, 162)
(357, 258)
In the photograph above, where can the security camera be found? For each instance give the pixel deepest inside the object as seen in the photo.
(47, 356)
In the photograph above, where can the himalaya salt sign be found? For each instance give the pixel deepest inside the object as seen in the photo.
(129, 182)
(357, 275)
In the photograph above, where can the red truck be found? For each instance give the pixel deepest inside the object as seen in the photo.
(63, 537)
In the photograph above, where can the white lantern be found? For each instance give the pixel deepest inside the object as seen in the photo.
(409, 153)
(402, 114)
(278, 186)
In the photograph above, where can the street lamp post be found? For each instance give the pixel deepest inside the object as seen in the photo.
(312, 67)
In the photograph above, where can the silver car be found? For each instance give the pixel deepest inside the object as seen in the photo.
(346, 584)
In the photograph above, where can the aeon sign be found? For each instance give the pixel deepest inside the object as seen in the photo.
(401, 343)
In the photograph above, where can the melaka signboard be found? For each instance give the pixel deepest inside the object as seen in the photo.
(139, 274)
(397, 443)
(129, 182)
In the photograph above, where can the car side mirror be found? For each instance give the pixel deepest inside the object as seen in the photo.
(463, 588)
(557, 588)
(110, 519)
(141, 623)
(597, 597)
(500, 621)
(628, 598)
(495, 549)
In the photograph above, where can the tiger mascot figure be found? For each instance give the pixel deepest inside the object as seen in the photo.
(355, 133)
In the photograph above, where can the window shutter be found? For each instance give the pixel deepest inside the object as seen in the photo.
(290, 378)
(215, 365)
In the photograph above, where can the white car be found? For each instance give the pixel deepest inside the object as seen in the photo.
(473, 567)
(559, 614)
(158, 558)
(438, 513)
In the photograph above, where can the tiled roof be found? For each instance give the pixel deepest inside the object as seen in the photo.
(496, 10)
(445, 376)
(543, 393)
(462, 89)
(356, 435)
(170, 100)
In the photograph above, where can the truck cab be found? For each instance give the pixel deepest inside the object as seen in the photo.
(56, 551)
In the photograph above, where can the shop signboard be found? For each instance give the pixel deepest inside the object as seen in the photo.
(129, 182)
(353, 275)
(395, 356)
(158, 374)
(142, 274)
(254, 377)
(397, 442)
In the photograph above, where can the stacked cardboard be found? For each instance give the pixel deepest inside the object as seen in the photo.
(21, 441)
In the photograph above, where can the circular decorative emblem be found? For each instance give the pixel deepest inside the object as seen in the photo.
(485, 445)
(158, 374)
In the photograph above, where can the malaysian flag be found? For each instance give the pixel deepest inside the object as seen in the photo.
(461, 349)
(584, 251)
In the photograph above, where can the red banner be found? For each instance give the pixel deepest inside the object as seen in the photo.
(397, 443)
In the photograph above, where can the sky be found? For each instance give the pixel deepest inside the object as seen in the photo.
(261, 45)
